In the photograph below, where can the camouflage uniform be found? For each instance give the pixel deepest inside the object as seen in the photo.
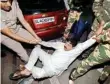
(102, 13)
(101, 53)
(71, 18)
(79, 20)
(105, 73)
(79, 27)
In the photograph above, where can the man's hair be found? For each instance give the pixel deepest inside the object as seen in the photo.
(73, 41)
(80, 5)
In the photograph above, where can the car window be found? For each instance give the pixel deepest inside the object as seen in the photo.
(40, 5)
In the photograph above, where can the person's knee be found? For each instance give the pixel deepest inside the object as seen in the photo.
(38, 73)
(37, 48)
(37, 76)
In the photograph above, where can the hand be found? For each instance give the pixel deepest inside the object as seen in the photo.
(71, 82)
(97, 39)
(65, 35)
(99, 31)
(33, 41)
(100, 28)
(38, 39)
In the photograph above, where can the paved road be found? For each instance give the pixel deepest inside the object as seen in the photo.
(90, 77)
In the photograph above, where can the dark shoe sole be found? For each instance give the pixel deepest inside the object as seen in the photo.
(17, 77)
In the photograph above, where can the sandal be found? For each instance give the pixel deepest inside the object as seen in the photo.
(17, 74)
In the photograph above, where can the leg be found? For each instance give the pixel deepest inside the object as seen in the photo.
(97, 57)
(36, 53)
(15, 46)
(37, 72)
(24, 33)
(40, 73)
(29, 68)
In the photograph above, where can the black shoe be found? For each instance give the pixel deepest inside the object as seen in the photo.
(101, 81)
(71, 73)
(28, 80)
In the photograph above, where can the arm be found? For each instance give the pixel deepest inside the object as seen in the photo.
(55, 45)
(105, 36)
(83, 46)
(5, 29)
(69, 24)
(25, 23)
(73, 16)
(70, 3)
(10, 33)
(98, 22)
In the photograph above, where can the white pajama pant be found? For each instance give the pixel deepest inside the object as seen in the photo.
(46, 70)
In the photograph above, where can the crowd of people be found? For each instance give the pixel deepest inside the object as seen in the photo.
(83, 17)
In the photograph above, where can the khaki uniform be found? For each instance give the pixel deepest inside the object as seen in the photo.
(9, 20)
(101, 53)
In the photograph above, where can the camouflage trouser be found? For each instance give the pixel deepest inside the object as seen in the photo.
(105, 73)
(71, 19)
(97, 57)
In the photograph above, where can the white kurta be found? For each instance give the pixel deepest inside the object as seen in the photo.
(56, 63)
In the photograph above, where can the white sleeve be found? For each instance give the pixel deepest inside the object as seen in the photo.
(83, 46)
(55, 45)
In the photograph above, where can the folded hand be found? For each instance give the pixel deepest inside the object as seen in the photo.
(35, 41)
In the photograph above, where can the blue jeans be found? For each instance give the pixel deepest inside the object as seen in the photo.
(80, 26)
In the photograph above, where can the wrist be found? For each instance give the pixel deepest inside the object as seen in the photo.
(67, 31)
(28, 41)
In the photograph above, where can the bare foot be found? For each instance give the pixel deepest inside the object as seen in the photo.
(26, 72)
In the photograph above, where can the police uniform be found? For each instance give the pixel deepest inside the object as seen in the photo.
(9, 20)
(101, 53)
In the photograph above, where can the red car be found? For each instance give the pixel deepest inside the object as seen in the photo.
(48, 18)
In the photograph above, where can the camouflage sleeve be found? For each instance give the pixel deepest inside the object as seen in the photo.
(105, 36)
(98, 18)
(71, 20)
(70, 3)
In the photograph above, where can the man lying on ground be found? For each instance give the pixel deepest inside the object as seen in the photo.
(53, 64)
